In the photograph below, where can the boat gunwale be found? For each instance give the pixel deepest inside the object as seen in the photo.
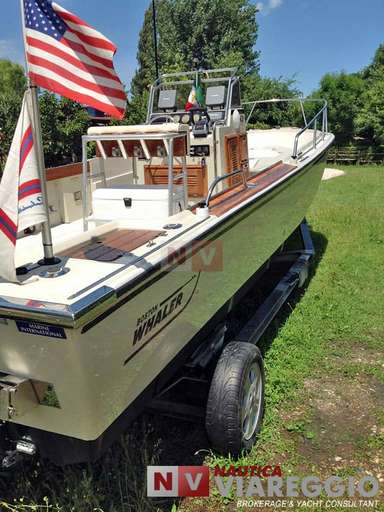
(99, 300)
(219, 220)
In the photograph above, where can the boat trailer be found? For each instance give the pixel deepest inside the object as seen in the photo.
(189, 395)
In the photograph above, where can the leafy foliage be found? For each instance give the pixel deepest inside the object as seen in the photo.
(12, 87)
(12, 78)
(255, 87)
(63, 123)
(343, 92)
(377, 63)
(356, 102)
(10, 104)
(213, 33)
(369, 121)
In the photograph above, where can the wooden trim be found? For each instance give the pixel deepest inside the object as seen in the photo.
(236, 156)
(124, 240)
(64, 171)
(179, 147)
(197, 177)
(233, 196)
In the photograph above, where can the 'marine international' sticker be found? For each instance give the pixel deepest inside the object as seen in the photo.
(37, 329)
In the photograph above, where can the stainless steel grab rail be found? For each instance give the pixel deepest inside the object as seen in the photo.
(217, 180)
(313, 122)
(323, 112)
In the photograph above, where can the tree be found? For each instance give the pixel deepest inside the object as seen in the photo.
(145, 73)
(356, 101)
(376, 64)
(343, 93)
(12, 87)
(215, 33)
(378, 59)
(266, 115)
(10, 104)
(63, 123)
(369, 120)
(12, 78)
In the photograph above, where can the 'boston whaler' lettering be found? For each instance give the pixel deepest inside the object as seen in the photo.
(152, 321)
(163, 312)
(160, 315)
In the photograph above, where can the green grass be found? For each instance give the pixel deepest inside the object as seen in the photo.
(342, 306)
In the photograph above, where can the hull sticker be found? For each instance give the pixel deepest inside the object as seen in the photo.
(37, 329)
(153, 321)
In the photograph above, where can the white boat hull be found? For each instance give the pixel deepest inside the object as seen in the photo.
(103, 367)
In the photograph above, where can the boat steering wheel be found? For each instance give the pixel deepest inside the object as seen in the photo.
(203, 111)
(161, 118)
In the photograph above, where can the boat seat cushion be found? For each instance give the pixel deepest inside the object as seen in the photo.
(139, 129)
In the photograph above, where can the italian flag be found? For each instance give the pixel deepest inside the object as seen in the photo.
(196, 96)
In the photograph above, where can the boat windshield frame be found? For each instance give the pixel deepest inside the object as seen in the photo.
(227, 76)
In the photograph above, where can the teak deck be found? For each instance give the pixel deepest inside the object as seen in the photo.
(224, 201)
(112, 245)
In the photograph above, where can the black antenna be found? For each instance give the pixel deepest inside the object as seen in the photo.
(155, 38)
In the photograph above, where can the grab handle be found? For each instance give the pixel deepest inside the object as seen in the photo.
(221, 178)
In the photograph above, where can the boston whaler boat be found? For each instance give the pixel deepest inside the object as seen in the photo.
(147, 277)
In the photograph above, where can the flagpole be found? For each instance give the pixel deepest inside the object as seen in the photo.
(49, 258)
(154, 26)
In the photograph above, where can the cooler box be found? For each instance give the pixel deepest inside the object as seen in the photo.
(136, 202)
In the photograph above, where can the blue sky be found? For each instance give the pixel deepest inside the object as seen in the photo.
(302, 38)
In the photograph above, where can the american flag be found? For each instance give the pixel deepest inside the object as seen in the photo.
(67, 56)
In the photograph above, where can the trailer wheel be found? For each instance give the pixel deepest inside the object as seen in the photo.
(236, 399)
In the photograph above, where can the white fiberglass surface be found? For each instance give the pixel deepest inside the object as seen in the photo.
(266, 147)
(83, 274)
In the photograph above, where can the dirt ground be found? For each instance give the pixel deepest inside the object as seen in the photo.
(336, 427)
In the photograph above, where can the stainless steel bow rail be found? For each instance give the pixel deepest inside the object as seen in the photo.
(321, 117)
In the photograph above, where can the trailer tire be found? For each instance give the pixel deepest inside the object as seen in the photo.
(237, 387)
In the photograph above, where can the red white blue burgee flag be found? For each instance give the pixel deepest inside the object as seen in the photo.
(67, 56)
(21, 202)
